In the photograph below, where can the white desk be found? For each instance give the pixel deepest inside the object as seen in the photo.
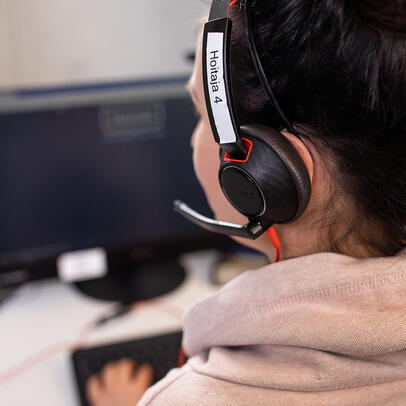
(43, 314)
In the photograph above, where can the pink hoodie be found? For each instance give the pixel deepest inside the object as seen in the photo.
(324, 329)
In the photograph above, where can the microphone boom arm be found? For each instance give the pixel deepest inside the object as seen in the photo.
(252, 230)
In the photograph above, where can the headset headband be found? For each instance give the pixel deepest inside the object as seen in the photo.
(216, 79)
(270, 184)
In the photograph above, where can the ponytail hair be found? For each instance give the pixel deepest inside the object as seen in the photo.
(384, 15)
(338, 70)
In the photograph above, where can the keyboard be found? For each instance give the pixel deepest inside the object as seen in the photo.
(160, 351)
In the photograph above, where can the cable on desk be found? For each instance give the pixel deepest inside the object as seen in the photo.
(43, 355)
(8, 293)
(88, 328)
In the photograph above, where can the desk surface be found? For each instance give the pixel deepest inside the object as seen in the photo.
(50, 315)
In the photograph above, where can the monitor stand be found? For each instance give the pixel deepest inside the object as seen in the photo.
(142, 281)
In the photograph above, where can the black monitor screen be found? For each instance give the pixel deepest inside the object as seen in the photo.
(101, 174)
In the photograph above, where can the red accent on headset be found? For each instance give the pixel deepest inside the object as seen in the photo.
(248, 146)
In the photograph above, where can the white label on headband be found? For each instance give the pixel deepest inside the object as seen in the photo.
(216, 88)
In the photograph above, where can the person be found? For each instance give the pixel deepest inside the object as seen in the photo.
(327, 324)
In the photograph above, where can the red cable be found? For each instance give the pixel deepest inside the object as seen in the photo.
(273, 237)
(232, 4)
(182, 357)
(278, 254)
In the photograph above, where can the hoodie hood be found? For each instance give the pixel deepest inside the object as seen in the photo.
(315, 323)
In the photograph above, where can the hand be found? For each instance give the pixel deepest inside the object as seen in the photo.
(120, 383)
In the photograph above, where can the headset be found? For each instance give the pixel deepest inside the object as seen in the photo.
(261, 173)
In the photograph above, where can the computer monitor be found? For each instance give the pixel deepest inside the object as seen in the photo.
(92, 171)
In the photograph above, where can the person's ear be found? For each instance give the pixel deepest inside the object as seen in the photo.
(303, 151)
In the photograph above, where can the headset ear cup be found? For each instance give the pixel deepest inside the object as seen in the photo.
(289, 156)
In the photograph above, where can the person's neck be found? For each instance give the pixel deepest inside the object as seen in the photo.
(297, 241)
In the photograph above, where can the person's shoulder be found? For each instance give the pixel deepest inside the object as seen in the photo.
(186, 387)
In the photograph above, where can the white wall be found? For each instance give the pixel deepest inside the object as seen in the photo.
(6, 57)
(56, 42)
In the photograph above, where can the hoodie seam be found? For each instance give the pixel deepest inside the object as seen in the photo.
(328, 292)
(355, 384)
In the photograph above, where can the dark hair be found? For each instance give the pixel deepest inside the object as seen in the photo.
(338, 70)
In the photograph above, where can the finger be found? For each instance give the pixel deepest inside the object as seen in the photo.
(125, 369)
(144, 376)
(94, 390)
(109, 374)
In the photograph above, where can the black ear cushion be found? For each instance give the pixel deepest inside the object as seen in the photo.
(290, 157)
